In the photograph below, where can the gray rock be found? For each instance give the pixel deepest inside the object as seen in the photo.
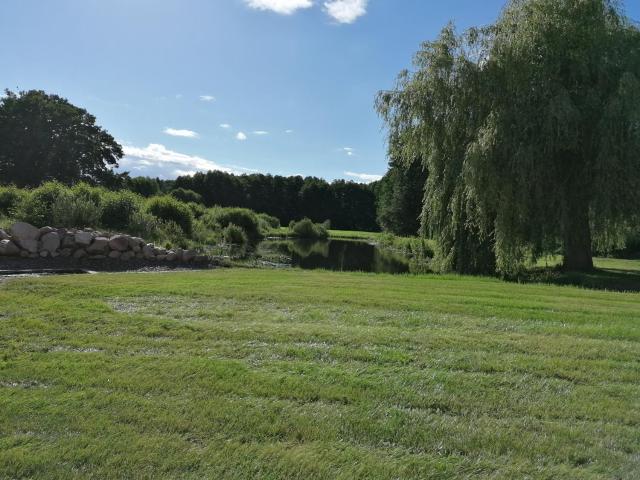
(45, 230)
(24, 254)
(33, 255)
(115, 254)
(8, 248)
(201, 259)
(172, 256)
(50, 242)
(140, 256)
(30, 246)
(4, 235)
(160, 251)
(98, 257)
(161, 258)
(54, 254)
(119, 243)
(79, 253)
(44, 254)
(68, 240)
(22, 231)
(135, 242)
(188, 255)
(65, 252)
(99, 245)
(148, 251)
(126, 256)
(83, 239)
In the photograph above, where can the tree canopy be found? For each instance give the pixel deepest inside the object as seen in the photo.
(44, 137)
(530, 132)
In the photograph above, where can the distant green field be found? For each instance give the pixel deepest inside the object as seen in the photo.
(271, 374)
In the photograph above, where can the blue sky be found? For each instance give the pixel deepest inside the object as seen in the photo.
(275, 86)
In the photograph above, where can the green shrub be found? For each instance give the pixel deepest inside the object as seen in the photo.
(197, 209)
(143, 224)
(168, 208)
(69, 210)
(10, 198)
(242, 217)
(305, 228)
(234, 234)
(36, 207)
(118, 208)
(268, 222)
(171, 235)
(186, 196)
(84, 191)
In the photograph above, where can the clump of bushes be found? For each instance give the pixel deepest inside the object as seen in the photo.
(168, 208)
(234, 234)
(268, 222)
(242, 217)
(305, 228)
(118, 208)
(187, 196)
(10, 198)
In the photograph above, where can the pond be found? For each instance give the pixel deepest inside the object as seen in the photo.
(338, 255)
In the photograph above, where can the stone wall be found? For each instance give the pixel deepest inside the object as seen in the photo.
(26, 241)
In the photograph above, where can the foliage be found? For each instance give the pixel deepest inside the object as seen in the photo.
(37, 205)
(72, 210)
(168, 208)
(10, 198)
(44, 137)
(241, 217)
(305, 228)
(399, 198)
(186, 196)
(529, 131)
(234, 234)
(268, 221)
(118, 208)
(143, 224)
(349, 205)
(145, 186)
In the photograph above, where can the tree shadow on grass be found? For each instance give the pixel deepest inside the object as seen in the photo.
(612, 279)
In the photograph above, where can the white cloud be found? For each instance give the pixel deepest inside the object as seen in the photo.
(241, 136)
(260, 132)
(288, 131)
(207, 98)
(364, 177)
(283, 7)
(226, 126)
(180, 133)
(156, 155)
(349, 151)
(346, 11)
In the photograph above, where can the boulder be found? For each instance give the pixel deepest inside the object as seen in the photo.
(24, 254)
(65, 252)
(171, 256)
(119, 243)
(4, 235)
(98, 257)
(50, 242)
(140, 256)
(126, 256)
(201, 259)
(188, 255)
(115, 254)
(135, 242)
(68, 240)
(83, 239)
(8, 248)
(44, 254)
(99, 245)
(45, 230)
(30, 246)
(22, 231)
(160, 251)
(79, 254)
(148, 251)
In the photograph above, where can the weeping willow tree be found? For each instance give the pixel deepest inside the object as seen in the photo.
(530, 131)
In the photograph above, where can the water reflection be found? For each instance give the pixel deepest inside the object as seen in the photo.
(339, 255)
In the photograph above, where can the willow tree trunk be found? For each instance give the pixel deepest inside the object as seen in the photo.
(577, 236)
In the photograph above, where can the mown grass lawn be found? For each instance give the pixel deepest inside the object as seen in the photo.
(244, 374)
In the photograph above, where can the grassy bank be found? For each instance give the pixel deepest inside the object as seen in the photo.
(311, 375)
